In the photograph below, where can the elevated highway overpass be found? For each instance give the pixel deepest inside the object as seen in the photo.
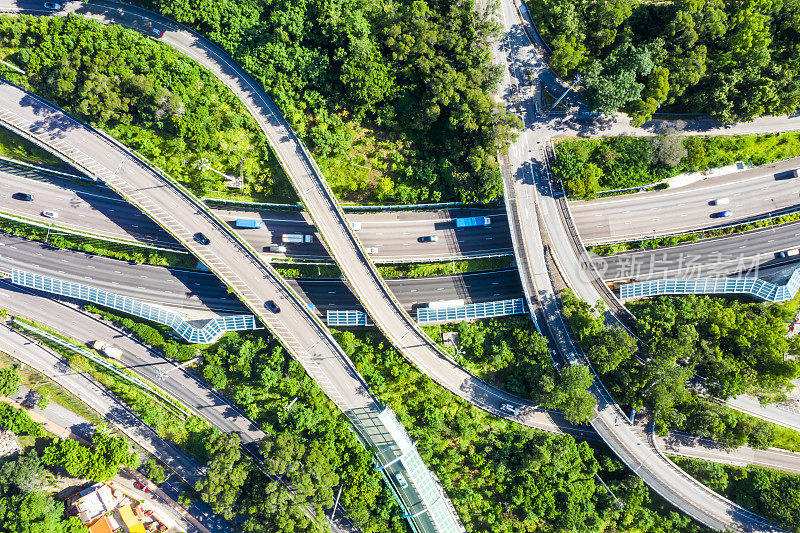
(91, 208)
(658, 472)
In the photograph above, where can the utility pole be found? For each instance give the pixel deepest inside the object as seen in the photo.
(47, 237)
(575, 81)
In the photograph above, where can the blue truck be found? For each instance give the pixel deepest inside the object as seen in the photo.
(470, 222)
(248, 223)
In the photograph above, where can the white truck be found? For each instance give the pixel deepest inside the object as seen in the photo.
(107, 349)
(297, 238)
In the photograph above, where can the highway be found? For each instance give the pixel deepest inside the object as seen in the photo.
(251, 278)
(145, 362)
(537, 219)
(52, 365)
(91, 208)
(752, 251)
(753, 192)
(187, 290)
(104, 403)
(169, 206)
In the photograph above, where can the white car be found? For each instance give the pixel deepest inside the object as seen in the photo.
(508, 408)
(722, 201)
(50, 214)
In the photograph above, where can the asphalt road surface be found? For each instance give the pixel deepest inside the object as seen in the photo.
(537, 218)
(188, 291)
(105, 404)
(751, 193)
(658, 472)
(753, 253)
(91, 208)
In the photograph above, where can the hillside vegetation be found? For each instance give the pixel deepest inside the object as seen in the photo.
(733, 59)
(419, 72)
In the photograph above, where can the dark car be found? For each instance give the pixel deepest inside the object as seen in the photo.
(52, 5)
(26, 196)
(202, 239)
(272, 306)
(428, 238)
(157, 31)
(141, 486)
(722, 214)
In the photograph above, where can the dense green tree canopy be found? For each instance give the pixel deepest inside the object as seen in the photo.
(419, 67)
(735, 59)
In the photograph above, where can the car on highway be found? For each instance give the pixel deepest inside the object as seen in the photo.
(371, 250)
(787, 253)
(52, 5)
(272, 306)
(722, 214)
(508, 408)
(50, 214)
(429, 238)
(721, 201)
(25, 196)
(202, 239)
(401, 480)
(158, 32)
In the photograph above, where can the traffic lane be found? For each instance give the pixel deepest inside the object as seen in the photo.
(100, 400)
(86, 207)
(143, 361)
(413, 293)
(751, 251)
(641, 215)
(148, 283)
(94, 208)
(190, 289)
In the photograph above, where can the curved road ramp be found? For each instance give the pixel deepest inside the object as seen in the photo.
(254, 282)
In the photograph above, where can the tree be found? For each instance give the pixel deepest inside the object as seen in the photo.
(9, 381)
(668, 149)
(572, 396)
(22, 475)
(227, 472)
(611, 83)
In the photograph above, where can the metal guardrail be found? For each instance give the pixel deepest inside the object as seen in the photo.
(98, 236)
(682, 473)
(210, 332)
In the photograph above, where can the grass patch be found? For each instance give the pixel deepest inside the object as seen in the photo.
(300, 270)
(95, 246)
(188, 432)
(15, 147)
(420, 270)
(41, 383)
(589, 166)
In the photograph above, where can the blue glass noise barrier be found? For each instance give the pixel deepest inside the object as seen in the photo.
(210, 332)
(471, 311)
(348, 318)
(755, 287)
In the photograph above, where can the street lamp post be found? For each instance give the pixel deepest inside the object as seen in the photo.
(575, 81)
